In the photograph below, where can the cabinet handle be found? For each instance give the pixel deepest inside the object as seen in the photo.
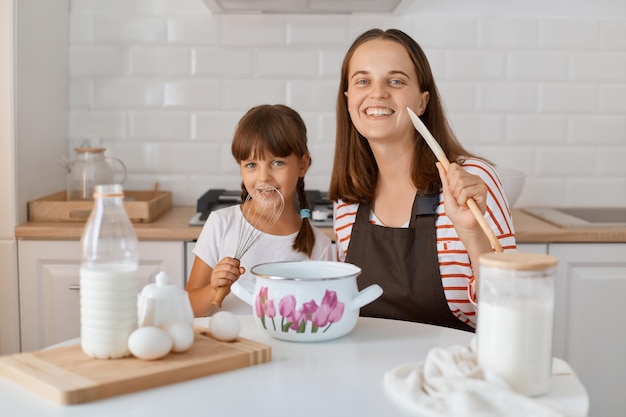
(74, 287)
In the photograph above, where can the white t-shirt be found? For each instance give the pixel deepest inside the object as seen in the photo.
(219, 238)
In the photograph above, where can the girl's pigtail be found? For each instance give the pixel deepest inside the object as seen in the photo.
(305, 240)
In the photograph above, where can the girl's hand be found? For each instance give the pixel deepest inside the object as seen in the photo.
(458, 186)
(226, 272)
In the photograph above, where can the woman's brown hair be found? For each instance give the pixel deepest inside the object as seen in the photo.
(355, 171)
(280, 131)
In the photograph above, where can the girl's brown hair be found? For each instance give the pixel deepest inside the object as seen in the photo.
(278, 130)
(355, 171)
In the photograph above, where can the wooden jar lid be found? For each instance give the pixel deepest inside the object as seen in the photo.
(89, 150)
(518, 261)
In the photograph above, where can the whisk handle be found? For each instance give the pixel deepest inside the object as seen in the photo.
(220, 295)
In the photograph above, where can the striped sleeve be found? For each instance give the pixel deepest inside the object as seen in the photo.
(344, 216)
(457, 275)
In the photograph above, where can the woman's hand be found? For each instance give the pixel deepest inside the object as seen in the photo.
(227, 271)
(458, 187)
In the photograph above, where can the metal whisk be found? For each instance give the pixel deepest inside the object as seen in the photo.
(264, 209)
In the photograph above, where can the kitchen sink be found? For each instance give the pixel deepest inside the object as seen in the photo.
(591, 217)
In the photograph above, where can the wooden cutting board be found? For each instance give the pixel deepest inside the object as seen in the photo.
(66, 375)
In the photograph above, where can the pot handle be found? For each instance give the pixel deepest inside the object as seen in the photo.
(241, 292)
(366, 296)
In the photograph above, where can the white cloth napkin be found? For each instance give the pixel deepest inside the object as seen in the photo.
(449, 383)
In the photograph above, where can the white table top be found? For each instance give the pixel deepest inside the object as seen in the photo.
(333, 378)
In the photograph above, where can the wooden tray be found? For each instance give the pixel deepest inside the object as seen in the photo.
(141, 206)
(66, 375)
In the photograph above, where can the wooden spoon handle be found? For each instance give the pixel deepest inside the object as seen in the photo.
(478, 215)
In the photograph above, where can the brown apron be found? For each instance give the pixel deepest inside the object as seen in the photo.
(404, 262)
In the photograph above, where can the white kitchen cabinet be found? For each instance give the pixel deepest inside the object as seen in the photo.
(533, 248)
(590, 329)
(49, 285)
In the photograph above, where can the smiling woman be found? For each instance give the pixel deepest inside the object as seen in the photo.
(398, 214)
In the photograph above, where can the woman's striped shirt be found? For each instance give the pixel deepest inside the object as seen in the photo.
(454, 264)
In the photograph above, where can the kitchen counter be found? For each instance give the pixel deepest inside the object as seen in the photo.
(173, 225)
(341, 377)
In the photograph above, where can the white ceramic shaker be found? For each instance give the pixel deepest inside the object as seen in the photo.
(515, 319)
(109, 281)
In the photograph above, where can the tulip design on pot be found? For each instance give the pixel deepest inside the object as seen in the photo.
(321, 316)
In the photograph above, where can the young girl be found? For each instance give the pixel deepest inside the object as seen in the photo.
(398, 214)
(270, 145)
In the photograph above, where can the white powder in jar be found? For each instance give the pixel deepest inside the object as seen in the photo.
(514, 340)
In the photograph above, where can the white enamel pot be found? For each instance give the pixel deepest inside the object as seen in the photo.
(306, 301)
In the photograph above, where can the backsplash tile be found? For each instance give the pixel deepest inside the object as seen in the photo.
(508, 33)
(570, 34)
(162, 84)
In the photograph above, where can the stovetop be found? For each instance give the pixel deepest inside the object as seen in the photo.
(217, 198)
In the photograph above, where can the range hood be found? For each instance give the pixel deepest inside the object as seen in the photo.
(306, 6)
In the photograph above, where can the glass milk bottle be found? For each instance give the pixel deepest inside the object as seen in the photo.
(515, 319)
(109, 282)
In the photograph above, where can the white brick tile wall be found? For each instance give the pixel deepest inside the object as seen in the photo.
(479, 129)
(194, 31)
(98, 124)
(612, 99)
(81, 28)
(129, 30)
(569, 33)
(159, 125)
(309, 31)
(104, 61)
(598, 130)
(243, 94)
(519, 157)
(124, 93)
(508, 33)
(445, 32)
(476, 65)
(160, 61)
(202, 93)
(254, 30)
(595, 66)
(163, 84)
(523, 65)
(215, 61)
(595, 192)
(537, 129)
(330, 62)
(610, 162)
(215, 126)
(286, 62)
(546, 191)
(318, 95)
(573, 161)
(507, 97)
(568, 98)
(81, 94)
(458, 96)
(613, 35)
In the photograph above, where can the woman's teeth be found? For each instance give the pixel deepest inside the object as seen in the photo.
(378, 112)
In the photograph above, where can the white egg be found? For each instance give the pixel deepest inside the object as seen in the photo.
(182, 335)
(149, 343)
(225, 326)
